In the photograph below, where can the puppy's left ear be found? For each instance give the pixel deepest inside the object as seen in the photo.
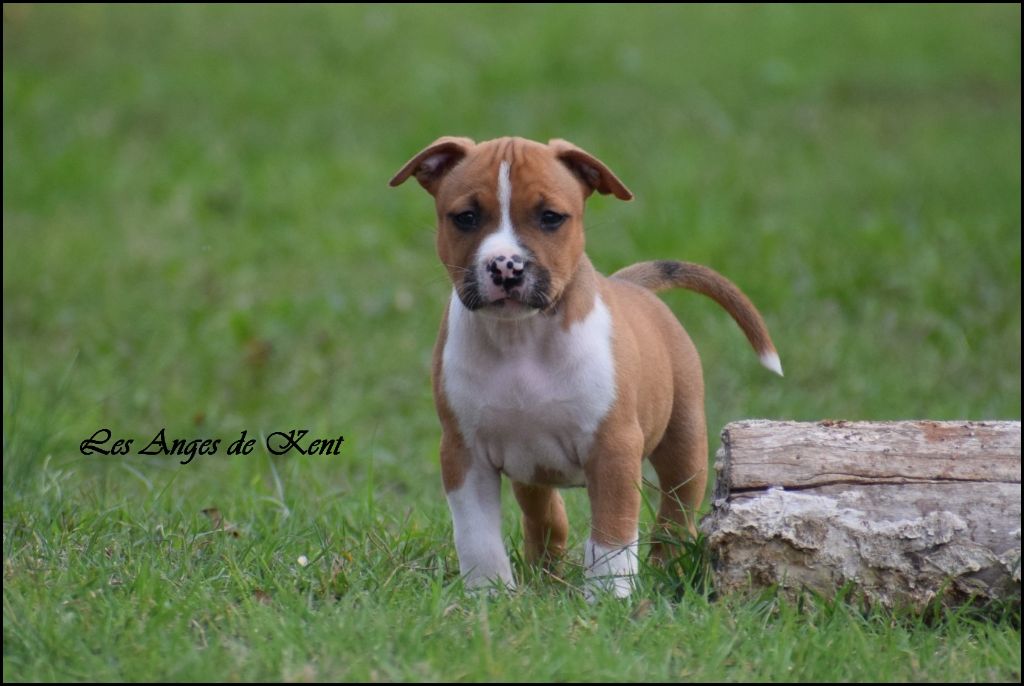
(431, 164)
(590, 170)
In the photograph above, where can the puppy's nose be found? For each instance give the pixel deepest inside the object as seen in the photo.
(506, 271)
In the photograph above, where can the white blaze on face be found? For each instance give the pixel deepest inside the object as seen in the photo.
(505, 197)
(504, 241)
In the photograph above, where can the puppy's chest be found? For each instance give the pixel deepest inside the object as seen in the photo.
(530, 403)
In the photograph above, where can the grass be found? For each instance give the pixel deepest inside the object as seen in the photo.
(198, 236)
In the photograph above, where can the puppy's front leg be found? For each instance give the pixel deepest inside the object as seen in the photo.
(474, 498)
(613, 484)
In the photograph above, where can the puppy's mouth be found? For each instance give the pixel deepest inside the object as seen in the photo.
(524, 298)
(509, 307)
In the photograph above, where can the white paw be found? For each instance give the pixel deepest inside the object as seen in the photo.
(610, 570)
(492, 583)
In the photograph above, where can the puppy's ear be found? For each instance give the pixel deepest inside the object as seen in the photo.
(431, 164)
(590, 170)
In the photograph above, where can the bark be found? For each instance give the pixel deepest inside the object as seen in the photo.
(905, 512)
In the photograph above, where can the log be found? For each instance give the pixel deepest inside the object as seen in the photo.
(905, 513)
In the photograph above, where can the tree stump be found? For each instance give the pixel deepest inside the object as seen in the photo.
(905, 512)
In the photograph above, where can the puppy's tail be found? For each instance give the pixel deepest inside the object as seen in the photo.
(663, 274)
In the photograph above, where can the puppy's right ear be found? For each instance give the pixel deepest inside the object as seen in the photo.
(431, 164)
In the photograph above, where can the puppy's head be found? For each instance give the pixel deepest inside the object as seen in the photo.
(509, 217)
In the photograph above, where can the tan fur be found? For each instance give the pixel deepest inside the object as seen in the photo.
(545, 525)
(454, 456)
(657, 276)
(659, 403)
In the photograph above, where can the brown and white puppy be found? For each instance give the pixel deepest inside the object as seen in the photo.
(552, 374)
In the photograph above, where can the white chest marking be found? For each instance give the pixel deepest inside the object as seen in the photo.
(529, 395)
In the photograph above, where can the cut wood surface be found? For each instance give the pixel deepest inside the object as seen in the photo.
(903, 511)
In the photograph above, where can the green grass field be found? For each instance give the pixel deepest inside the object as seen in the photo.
(198, 236)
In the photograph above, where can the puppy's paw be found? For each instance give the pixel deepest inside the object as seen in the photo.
(611, 570)
(492, 586)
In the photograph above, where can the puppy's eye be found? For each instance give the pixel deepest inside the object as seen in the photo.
(549, 221)
(466, 221)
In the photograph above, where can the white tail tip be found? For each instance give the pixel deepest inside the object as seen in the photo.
(772, 362)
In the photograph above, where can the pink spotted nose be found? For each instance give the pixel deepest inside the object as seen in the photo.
(506, 271)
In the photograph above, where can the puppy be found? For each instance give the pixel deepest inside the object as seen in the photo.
(553, 374)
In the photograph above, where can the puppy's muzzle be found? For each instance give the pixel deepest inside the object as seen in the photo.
(506, 280)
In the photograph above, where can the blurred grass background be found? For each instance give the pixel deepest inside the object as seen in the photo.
(198, 235)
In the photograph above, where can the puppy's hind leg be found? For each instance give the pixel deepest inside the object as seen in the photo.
(681, 462)
(545, 525)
